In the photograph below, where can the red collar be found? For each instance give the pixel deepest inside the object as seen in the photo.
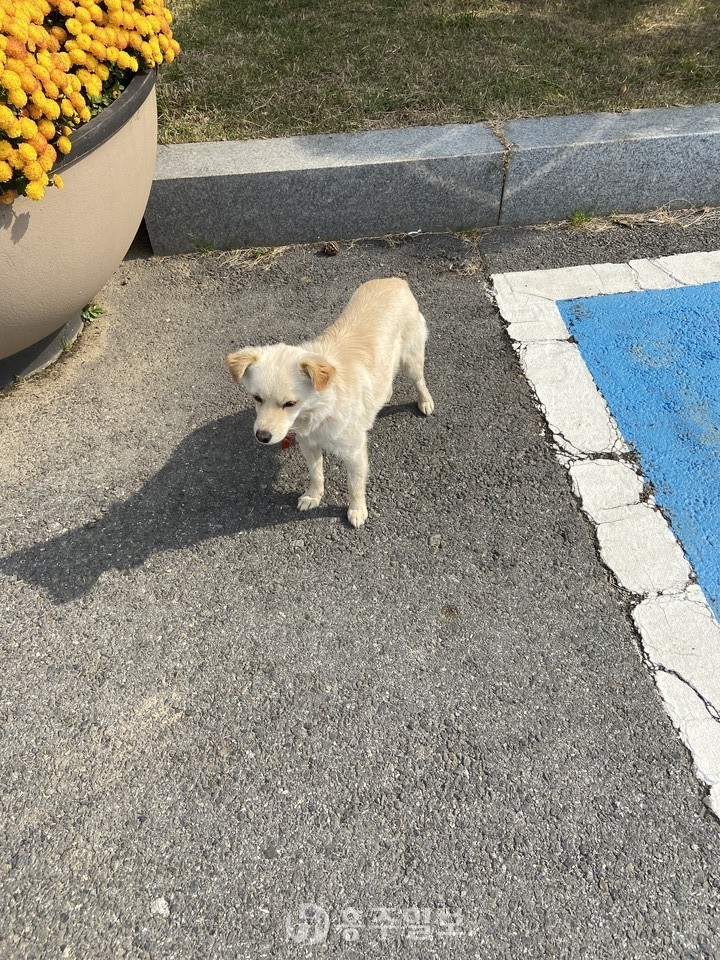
(287, 441)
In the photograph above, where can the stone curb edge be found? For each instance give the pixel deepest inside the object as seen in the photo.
(239, 194)
(679, 635)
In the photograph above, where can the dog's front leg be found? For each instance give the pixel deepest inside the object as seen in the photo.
(357, 471)
(314, 459)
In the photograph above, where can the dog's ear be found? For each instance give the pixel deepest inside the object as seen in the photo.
(320, 371)
(239, 362)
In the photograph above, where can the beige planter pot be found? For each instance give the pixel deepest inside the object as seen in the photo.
(56, 254)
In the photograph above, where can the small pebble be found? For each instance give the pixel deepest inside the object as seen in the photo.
(160, 908)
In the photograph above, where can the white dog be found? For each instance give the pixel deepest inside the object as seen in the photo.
(329, 391)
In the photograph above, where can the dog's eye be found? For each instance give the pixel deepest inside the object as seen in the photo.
(290, 403)
(257, 399)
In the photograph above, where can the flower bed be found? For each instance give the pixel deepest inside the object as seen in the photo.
(61, 63)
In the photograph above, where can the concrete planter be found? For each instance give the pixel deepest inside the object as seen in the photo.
(56, 254)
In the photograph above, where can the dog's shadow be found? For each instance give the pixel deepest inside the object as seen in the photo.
(216, 483)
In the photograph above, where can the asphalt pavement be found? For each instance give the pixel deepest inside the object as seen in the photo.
(438, 730)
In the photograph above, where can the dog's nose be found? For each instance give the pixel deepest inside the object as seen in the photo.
(264, 436)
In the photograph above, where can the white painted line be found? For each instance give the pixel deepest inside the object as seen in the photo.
(603, 485)
(692, 268)
(679, 634)
(697, 729)
(651, 276)
(639, 547)
(575, 411)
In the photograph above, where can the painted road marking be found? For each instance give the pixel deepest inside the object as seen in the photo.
(655, 357)
(554, 318)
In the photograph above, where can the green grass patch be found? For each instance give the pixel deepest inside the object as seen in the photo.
(91, 312)
(282, 67)
(580, 218)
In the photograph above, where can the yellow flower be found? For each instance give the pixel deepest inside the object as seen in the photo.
(48, 158)
(33, 171)
(10, 80)
(7, 117)
(18, 98)
(27, 152)
(30, 83)
(16, 161)
(41, 72)
(35, 190)
(46, 128)
(51, 110)
(55, 56)
(58, 181)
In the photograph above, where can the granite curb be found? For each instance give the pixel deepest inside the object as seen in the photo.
(424, 179)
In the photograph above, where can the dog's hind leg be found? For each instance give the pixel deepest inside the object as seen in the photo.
(314, 459)
(413, 363)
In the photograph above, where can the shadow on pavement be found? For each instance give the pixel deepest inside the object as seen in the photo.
(216, 483)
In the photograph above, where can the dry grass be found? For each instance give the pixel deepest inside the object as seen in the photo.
(279, 67)
(254, 258)
(684, 219)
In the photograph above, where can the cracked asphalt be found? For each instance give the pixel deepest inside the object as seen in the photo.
(214, 708)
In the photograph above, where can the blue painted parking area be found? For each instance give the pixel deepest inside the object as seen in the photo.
(655, 357)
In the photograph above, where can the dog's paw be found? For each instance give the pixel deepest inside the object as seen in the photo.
(308, 502)
(426, 406)
(357, 516)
